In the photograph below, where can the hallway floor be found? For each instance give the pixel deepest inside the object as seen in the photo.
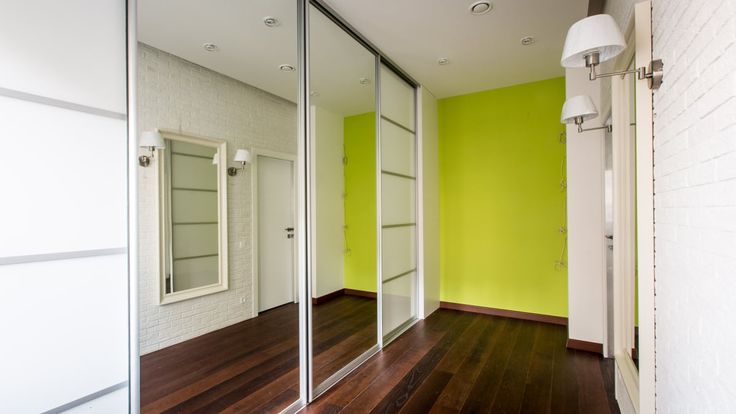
(456, 362)
(452, 362)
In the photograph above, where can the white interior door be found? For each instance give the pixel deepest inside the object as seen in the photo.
(275, 232)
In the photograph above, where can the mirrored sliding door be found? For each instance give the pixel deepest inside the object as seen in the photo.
(398, 203)
(218, 127)
(342, 136)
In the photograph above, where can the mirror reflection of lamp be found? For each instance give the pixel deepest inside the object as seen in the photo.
(152, 141)
(579, 109)
(243, 157)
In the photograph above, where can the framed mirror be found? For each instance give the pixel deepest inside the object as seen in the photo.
(192, 217)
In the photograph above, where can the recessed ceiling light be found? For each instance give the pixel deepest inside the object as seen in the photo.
(528, 41)
(364, 81)
(287, 68)
(210, 47)
(480, 7)
(443, 61)
(271, 21)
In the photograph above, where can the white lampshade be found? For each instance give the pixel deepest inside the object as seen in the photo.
(242, 155)
(151, 139)
(576, 106)
(598, 33)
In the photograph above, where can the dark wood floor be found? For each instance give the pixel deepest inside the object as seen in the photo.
(452, 362)
(253, 366)
(456, 362)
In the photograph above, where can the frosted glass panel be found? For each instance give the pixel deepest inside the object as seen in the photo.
(398, 302)
(193, 172)
(397, 149)
(67, 332)
(397, 200)
(195, 239)
(193, 273)
(73, 50)
(115, 402)
(190, 148)
(64, 179)
(398, 251)
(194, 206)
(397, 99)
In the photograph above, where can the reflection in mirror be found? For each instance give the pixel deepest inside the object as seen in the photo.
(343, 185)
(193, 218)
(634, 280)
(219, 322)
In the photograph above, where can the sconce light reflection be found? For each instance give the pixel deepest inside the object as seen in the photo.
(243, 157)
(152, 141)
(579, 109)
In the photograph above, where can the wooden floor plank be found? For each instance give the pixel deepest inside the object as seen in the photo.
(403, 390)
(538, 388)
(456, 392)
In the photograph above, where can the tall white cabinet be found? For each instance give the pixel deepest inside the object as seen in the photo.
(64, 215)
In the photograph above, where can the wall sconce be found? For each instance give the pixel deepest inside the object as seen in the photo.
(597, 39)
(579, 109)
(243, 157)
(151, 140)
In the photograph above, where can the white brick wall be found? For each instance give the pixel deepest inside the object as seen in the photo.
(176, 94)
(695, 205)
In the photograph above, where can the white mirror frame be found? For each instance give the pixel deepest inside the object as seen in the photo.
(222, 284)
(637, 384)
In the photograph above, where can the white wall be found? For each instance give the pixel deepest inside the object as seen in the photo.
(63, 216)
(176, 94)
(329, 243)
(586, 221)
(429, 136)
(695, 205)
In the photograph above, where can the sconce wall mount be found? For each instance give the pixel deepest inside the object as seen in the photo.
(653, 73)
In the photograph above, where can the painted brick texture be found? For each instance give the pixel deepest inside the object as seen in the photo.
(179, 95)
(695, 205)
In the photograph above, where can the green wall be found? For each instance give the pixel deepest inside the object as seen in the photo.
(360, 202)
(501, 206)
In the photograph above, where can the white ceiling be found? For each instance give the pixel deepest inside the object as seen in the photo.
(484, 51)
(248, 50)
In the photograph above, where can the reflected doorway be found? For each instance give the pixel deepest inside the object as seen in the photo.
(275, 231)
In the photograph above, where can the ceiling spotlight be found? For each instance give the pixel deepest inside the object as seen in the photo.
(528, 41)
(210, 47)
(443, 61)
(480, 7)
(286, 68)
(364, 81)
(271, 21)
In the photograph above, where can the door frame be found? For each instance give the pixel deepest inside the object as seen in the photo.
(255, 274)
